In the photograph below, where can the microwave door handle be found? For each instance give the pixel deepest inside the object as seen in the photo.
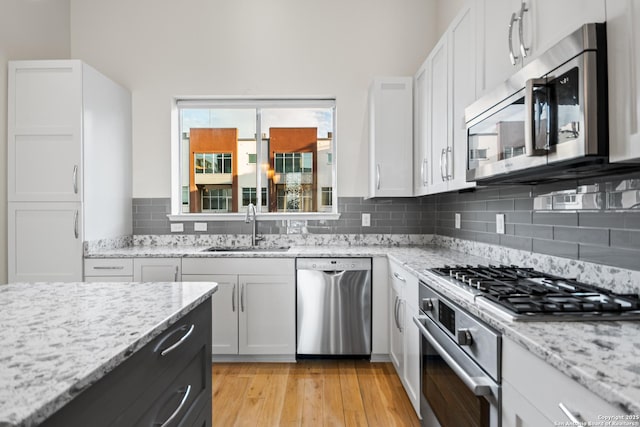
(530, 122)
(480, 386)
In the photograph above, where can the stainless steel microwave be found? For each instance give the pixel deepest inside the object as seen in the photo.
(549, 121)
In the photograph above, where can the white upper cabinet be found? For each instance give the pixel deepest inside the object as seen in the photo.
(422, 162)
(445, 85)
(513, 32)
(45, 133)
(391, 137)
(623, 42)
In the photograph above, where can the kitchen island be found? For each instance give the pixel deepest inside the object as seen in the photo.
(64, 345)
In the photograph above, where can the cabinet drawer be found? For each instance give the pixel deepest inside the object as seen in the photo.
(108, 267)
(180, 400)
(404, 282)
(145, 375)
(532, 383)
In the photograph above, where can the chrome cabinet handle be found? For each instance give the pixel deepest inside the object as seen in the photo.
(242, 297)
(512, 56)
(574, 418)
(523, 49)
(442, 154)
(233, 299)
(179, 342)
(76, 233)
(447, 168)
(399, 277)
(479, 386)
(378, 176)
(400, 322)
(175, 276)
(395, 312)
(175, 413)
(75, 179)
(109, 267)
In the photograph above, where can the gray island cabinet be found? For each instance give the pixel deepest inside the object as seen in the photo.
(106, 354)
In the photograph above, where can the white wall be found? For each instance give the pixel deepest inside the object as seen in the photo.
(29, 29)
(163, 48)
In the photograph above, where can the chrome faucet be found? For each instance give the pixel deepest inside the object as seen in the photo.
(251, 216)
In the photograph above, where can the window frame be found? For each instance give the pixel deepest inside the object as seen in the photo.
(245, 102)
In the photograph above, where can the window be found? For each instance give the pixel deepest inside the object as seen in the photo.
(327, 196)
(216, 199)
(249, 196)
(227, 148)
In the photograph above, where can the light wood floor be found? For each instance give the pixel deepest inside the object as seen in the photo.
(310, 393)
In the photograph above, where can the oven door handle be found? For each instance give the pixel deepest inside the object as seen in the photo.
(480, 386)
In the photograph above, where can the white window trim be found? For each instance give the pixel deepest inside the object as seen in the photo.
(240, 102)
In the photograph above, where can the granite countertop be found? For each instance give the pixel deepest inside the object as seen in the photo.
(59, 338)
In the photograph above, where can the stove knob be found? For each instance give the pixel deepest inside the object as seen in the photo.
(427, 304)
(465, 337)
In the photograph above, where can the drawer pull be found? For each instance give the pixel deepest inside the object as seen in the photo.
(177, 411)
(178, 343)
(574, 418)
(399, 277)
(108, 267)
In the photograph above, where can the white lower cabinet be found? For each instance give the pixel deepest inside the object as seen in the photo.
(254, 308)
(527, 399)
(404, 336)
(156, 269)
(44, 241)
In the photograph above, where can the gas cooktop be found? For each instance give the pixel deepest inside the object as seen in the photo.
(528, 294)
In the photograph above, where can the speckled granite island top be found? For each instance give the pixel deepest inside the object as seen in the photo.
(59, 338)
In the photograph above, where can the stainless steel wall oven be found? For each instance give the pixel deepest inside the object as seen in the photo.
(460, 368)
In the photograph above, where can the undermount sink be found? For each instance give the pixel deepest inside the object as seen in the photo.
(246, 249)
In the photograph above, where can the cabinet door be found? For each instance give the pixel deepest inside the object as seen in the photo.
(494, 65)
(156, 270)
(462, 64)
(422, 162)
(45, 242)
(623, 42)
(391, 137)
(396, 337)
(557, 19)
(44, 131)
(439, 116)
(224, 303)
(412, 356)
(267, 323)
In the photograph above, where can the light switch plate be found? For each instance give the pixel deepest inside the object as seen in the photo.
(500, 223)
(199, 226)
(177, 227)
(457, 220)
(366, 220)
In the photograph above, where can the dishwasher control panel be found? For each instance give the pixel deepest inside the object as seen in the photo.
(333, 264)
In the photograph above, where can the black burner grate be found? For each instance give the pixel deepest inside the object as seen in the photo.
(531, 292)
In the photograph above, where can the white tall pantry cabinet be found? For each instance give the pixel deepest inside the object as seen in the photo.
(69, 166)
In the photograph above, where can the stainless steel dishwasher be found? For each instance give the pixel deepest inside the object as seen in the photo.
(333, 306)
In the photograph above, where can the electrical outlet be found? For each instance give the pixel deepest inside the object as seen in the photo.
(199, 226)
(177, 227)
(366, 220)
(457, 220)
(500, 223)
